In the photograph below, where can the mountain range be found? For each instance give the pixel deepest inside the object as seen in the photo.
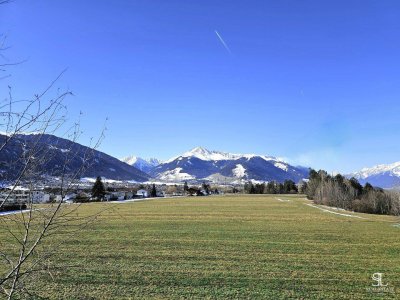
(384, 176)
(195, 165)
(222, 167)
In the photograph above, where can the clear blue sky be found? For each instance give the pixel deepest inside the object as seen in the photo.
(316, 82)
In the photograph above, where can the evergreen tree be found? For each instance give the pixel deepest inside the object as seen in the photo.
(98, 190)
(153, 192)
(259, 188)
(289, 187)
(339, 179)
(246, 187)
(286, 187)
(185, 186)
(368, 187)
(271, 188)
(314, 182)
(252, 189)
(356, 185)
(303, 188)
(279, 188)
(314, 175)
(206, 187)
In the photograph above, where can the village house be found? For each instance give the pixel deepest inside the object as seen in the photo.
(142, 193)
(128, 195)
(14, 196)
(114, 196)
(40, 197)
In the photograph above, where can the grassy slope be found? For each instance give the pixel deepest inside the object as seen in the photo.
(227, 247)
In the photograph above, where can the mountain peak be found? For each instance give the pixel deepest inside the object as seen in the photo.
(130, 160)
(199, 150)
(213, 155)
(393, 168)
(142, 164)
(205, 154)
(383, 175)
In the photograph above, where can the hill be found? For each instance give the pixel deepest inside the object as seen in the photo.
(52, 156)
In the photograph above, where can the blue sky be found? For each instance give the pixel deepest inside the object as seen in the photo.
(315, 82)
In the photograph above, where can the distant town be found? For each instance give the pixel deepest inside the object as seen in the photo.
(110, 190)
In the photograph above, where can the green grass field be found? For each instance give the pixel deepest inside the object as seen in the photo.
(252, 247)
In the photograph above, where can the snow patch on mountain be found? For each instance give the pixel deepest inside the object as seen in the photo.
(60, 149)
(239, 171)
(175, 175)
(220, 179)
(281, 165)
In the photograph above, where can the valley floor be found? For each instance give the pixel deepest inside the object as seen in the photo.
(253, 247)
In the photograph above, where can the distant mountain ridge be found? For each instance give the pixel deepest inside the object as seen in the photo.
(384, 175)
(203, 164)
(195, 165)
(144, 165)
(51, 152)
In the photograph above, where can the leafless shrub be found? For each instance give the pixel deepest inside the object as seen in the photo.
(30, 231)
(26, 247)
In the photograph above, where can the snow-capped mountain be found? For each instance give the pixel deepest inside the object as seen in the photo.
(211, 155)
(202, 164)
(54, 156)
(144, 165)
(384, 176)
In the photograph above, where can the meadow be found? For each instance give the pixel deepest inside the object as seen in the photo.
(228, 247)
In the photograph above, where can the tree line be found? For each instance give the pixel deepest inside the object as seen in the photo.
(349, 194)
(272, 187)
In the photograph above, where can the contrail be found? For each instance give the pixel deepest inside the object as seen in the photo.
(223, 42)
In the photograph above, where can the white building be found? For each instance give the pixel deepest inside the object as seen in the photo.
(69, 197)
(40, 197)
(116, 196)
(142, 193)
(56, 198)
(14, 195)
